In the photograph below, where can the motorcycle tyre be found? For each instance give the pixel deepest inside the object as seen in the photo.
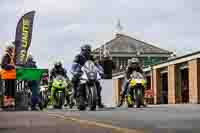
(92, 98)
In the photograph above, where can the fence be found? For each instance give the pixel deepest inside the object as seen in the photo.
(22, 90)
(22, 97)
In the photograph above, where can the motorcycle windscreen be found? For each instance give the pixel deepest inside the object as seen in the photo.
(137, 75)
(89, 66)
(59, 77)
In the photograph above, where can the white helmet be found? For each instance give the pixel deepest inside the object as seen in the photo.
(9, 45)
(134, 60)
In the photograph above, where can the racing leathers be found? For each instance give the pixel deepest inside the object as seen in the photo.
(128, 72)
(55, 72)
(78, 62)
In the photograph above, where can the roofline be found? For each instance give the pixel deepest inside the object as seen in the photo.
(176, 58)
(118, 35)
(148, 43)
(106, 43)
(146, 53)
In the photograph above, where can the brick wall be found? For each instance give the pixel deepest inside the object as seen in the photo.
(194, 84)
(172, 77)
(156, 86)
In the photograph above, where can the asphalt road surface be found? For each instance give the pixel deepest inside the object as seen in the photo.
(156, 119)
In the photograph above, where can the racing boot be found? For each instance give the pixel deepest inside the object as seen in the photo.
(120, 103)
(34, 101)
(100, 105)
(122, 95)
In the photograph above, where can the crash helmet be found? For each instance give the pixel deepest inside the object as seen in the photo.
(86, 49)
(58, 64)
(134, 62)
(9, 46)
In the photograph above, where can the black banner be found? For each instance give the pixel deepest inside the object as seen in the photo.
(23, 37)
(108, 65)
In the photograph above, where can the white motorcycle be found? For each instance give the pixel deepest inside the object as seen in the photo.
(91, 75)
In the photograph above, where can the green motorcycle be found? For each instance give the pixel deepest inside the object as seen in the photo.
(58, 90)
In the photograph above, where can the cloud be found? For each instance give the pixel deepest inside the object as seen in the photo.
(61, 27)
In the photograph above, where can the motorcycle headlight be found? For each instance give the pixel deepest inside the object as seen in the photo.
(92, 76)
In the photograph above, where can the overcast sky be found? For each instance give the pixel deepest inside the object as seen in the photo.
(62, 26)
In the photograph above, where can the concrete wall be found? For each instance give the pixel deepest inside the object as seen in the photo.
(117, 84)
(108, 92)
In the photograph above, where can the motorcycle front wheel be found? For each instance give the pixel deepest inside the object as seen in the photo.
(92, 97)
(81, 103)
(59, 99)
(138, 97)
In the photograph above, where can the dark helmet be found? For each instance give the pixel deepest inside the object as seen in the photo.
(86, 49)
(58, 64)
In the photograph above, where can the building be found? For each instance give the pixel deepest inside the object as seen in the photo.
(124, 47)
(173, 81)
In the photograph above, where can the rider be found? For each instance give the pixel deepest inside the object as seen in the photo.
(33, 84)
(8, 66)
(8, 60)
(44, 80)
(57, 70)
(78, 62)
(133, 65)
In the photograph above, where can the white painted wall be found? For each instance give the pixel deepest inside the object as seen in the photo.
(107, 92)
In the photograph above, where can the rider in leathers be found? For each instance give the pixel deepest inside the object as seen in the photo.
(133, 65)
(33, 84)
(58, 70)
(78, 62)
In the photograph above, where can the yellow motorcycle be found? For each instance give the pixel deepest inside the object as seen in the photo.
(137, 85)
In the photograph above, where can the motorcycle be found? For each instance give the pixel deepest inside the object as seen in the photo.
(137, 85)
(88, 81)
(59, 85)
(69, 98)
(44, 95)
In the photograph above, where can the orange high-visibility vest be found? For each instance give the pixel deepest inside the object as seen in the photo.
(9, 74)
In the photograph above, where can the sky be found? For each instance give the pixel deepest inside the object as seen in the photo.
(62, 26)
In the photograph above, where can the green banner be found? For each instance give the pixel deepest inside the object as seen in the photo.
(29, 73)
